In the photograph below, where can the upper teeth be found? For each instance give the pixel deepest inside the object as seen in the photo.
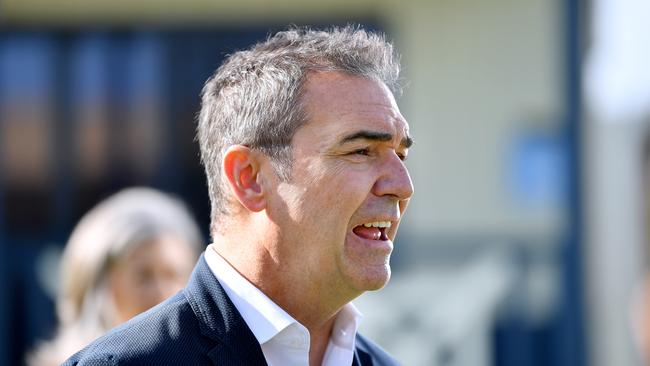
(377, 224)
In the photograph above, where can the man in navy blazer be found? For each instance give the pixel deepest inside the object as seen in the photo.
(303, 146)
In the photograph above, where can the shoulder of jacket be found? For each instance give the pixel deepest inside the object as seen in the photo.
(379, 356)
(91, 360)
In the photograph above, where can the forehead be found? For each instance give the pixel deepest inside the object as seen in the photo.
(338, 103)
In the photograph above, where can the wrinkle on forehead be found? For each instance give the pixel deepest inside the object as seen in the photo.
(319, 86)
(365, 103)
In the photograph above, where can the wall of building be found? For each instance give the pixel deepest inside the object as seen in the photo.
(486, 102)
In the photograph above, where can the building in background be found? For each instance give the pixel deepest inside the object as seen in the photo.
(496, 262)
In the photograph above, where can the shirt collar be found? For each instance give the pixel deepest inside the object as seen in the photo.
(264, 317)
(346, 326)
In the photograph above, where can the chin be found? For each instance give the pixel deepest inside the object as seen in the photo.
(372, 279)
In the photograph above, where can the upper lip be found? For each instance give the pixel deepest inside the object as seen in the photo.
(391, 220)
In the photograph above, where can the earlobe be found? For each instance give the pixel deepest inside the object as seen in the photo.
(241, 167)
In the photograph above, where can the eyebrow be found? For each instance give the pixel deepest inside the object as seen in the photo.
(376, 136)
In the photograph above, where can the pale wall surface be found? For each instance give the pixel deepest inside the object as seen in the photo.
(479, 73)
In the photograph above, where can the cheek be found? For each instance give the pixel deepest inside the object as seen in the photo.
(125, 291)
(322, 197)
(336, 195)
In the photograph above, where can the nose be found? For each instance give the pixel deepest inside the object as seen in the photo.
(394, 180)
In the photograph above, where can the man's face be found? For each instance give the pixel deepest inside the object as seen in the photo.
(349, 186)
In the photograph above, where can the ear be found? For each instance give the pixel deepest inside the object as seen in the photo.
(241, 168)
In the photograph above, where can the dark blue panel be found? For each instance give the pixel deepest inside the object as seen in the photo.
(569, 335)
(25, 66)
(4, 280)
(561, 341)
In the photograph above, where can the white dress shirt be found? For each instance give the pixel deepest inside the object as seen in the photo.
(283, 340)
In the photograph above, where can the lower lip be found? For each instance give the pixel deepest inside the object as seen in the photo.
(375, 245)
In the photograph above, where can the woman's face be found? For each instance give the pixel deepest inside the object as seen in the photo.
(150, 273)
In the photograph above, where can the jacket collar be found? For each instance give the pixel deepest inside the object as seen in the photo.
(219, 320)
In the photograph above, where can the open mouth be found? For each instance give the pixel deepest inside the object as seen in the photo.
(375, 230)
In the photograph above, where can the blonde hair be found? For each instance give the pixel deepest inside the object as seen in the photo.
(111, 229)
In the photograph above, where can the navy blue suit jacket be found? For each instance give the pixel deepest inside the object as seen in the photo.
(197, 326)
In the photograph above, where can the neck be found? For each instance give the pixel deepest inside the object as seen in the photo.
(262, 259)
(311, 303)
(318, 343)
(255, 248)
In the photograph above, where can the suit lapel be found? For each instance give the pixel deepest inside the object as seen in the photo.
(355, 358)
(220, 320)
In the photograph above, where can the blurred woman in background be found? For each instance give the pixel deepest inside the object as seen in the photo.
(127, 254)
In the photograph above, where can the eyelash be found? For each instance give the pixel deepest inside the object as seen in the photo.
(366, 152)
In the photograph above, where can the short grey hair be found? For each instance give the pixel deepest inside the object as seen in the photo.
(254, 98)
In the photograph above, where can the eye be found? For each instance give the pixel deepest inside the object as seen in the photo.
(365, 151)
